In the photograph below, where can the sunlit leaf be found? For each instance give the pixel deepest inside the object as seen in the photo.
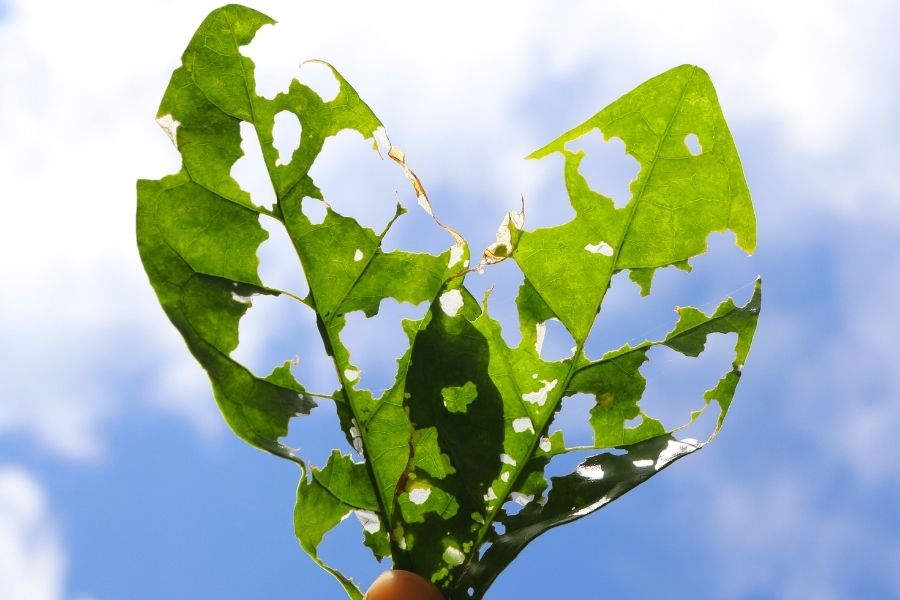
(445, 469)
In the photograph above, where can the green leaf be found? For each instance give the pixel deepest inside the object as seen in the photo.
(459, 443)
(427, 454)
(326, 499)
(200, 255)
(661, 225)
(458, 398)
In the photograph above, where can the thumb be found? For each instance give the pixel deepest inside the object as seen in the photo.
(402, 585)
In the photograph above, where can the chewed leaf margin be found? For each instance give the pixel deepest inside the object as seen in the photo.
(650, 447)
(435, 461)
(199, 234)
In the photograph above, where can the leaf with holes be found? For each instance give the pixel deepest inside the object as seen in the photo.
(445, 469)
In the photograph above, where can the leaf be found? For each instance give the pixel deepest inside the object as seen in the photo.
(618, 385)
(326, 499)
(595, 483)
(445, 468)
(661, 224)
(200, 255)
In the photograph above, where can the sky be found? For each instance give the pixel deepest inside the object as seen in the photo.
(118, 478)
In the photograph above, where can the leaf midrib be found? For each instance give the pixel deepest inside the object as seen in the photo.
(325, 329)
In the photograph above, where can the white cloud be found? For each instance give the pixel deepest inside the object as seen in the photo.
(78, 314)
(796, 507)
(847, 379)
(780, 537)
(32, 559)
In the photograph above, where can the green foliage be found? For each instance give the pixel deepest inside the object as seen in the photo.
(465, 426)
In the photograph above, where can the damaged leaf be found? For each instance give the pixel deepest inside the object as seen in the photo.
(444, 469)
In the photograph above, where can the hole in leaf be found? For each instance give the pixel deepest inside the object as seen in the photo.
(356, 182)
(416, 230)
(504, 280)
(314, 210)
(484, 548)
(451, 302)
(278, 264)
(278, 328)
(635, 422)
(676, 383)
(724, 270)
(419, 495)
(693, 144)
(606, 167)
(319, 78)
(704, 426)
(286, 136)
(517, 501)
(341, 547)
(558, 343)
(313, 436)
(273, 67)
(574, 419)
(628, 317)
(249, 171)
(546, 198)
(565, 464)
(376, 343)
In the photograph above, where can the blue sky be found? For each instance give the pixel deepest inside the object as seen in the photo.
(118, 479)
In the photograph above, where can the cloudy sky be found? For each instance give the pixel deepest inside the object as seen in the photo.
(118, 479)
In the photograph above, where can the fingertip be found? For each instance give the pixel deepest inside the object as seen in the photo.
(402, 585)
